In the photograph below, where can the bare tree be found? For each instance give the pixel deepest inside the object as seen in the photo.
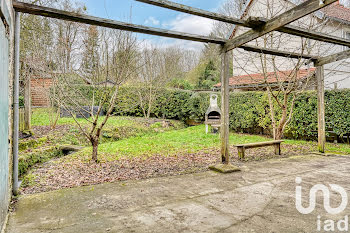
(233, 8)
(151, 78)
(118, 54)
(160, 67)
(68, 39)
(282, 78)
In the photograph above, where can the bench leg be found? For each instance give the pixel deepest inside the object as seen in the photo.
(241, 151)
(278, 149)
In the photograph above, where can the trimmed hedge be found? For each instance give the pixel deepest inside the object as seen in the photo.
(249, 111)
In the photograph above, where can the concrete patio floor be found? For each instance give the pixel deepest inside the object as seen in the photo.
(260, 198)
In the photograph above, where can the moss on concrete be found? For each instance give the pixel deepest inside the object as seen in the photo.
(27, 160)
(24, 145)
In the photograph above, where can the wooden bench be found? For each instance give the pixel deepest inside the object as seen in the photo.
(276, 143)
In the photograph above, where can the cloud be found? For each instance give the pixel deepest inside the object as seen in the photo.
(191, 24)
(186, 45)
(152, 21)
(168, 42)
(182, 23)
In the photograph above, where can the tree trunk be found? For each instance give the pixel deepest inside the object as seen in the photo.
(150, 100)
(278, 134)
(283, 120)
(272, 114)
(149, 109)
(94, 143)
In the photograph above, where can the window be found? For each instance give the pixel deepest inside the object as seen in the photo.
(346, 36)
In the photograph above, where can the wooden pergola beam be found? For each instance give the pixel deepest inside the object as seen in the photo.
(333, 58)
(289, 29)
(279, 21)
(87, 19)
(279, 53)
(194, 11)
(318, 36)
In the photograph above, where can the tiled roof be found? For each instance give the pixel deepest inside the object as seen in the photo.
(337, 11)
(250, 79)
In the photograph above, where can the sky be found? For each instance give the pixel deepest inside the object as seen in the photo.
(153, 16)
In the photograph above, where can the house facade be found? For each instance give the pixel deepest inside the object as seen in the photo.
(333, 20)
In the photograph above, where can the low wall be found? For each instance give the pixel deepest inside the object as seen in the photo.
(40, 90)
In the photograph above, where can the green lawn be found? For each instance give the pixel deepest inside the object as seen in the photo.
(42, 116)
(339, 148)
(191, 139)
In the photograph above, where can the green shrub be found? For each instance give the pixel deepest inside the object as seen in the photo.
(21, 101)
(304, 121)
(338, 111)
(180, 84)
(249, 111)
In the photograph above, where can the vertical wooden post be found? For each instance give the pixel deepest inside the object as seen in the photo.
(225, 95)
(241, 152)
(27, 105)
(321, 109)
(277, 149)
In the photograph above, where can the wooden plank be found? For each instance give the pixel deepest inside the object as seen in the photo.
(292, 30)
(87, 19)
(260, 144)
(302, 32)
(321, 109)
(318, 36)
(193, 11)
(333, 58)
(287, 17)
(279, 53)
(225, 95)
(82, 18)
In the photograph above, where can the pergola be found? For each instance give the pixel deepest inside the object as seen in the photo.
(258, 26)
